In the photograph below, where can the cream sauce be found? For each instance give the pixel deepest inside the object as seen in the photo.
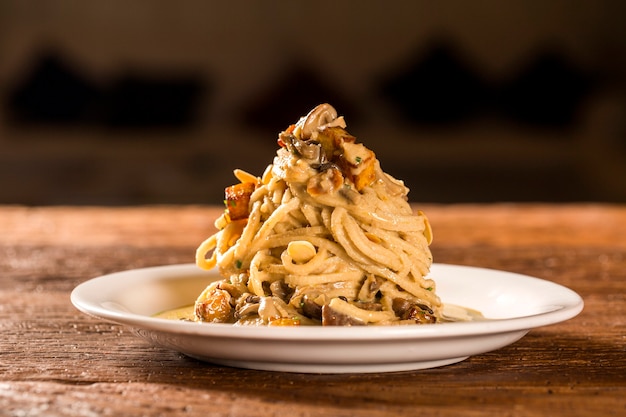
(182, 313)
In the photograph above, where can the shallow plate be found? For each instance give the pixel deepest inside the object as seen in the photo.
(512, 303)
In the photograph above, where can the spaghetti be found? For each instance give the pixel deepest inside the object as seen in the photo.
(323, 237)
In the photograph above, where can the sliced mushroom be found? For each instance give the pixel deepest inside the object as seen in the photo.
(310, 150)
(400, 306)
(311, 309)
(406, 310)
(247, 310)
(281, 290)
(331, 317)
(267, 310)
(370, 288)
(420, 315)
(321, 115)
(233, 290)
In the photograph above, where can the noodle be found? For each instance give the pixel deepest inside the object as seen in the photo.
(323, 237)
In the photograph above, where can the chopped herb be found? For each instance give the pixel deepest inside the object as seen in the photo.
(238, 264)
(358, 160)
(429, 289)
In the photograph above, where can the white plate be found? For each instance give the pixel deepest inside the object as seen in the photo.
(513, 304)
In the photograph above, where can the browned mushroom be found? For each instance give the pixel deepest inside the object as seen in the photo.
(332, 317)
(417, 312)
(311, 309)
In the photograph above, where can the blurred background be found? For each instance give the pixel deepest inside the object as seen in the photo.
(156, 102)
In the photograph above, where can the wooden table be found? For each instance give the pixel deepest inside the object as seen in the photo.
(57, 361)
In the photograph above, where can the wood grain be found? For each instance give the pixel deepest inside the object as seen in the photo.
(55, 360)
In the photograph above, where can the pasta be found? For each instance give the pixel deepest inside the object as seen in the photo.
(323, 237)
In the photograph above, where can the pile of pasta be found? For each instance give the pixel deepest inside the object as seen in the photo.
(323, 237)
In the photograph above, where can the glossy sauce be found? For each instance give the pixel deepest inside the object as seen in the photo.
(182, 313)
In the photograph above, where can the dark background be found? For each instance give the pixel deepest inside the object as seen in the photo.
(150, 102)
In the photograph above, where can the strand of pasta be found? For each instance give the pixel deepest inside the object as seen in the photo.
(306, 268)
(338, 228)
(344, 276)
(377, 253)
(204, 248)
(393, 240)
(326, 263)
(326, 214)
(318, 241)
(254, 221)
(348, 290)
(339, 234)
(390, 291)
(407, 284)
(366, 316)
(398, 223)
(257, 276)
(276, 216)
(368, 266)
(259, 193)
(405, 270)
(312, 214)
(279, 189)
(385, 203)
(302, 231)
(428, 284)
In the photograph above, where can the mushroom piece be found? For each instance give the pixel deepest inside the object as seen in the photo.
(420, 313)
(331, 317)
(247, 310)
(369, 289)
(311, 309)
(310, 150)
(322, 115)
(281, 290)
(233, 290)
(267, 309)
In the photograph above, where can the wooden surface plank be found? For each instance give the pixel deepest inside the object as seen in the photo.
(55, 360)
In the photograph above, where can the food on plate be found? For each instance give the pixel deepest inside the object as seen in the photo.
(323, 237)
